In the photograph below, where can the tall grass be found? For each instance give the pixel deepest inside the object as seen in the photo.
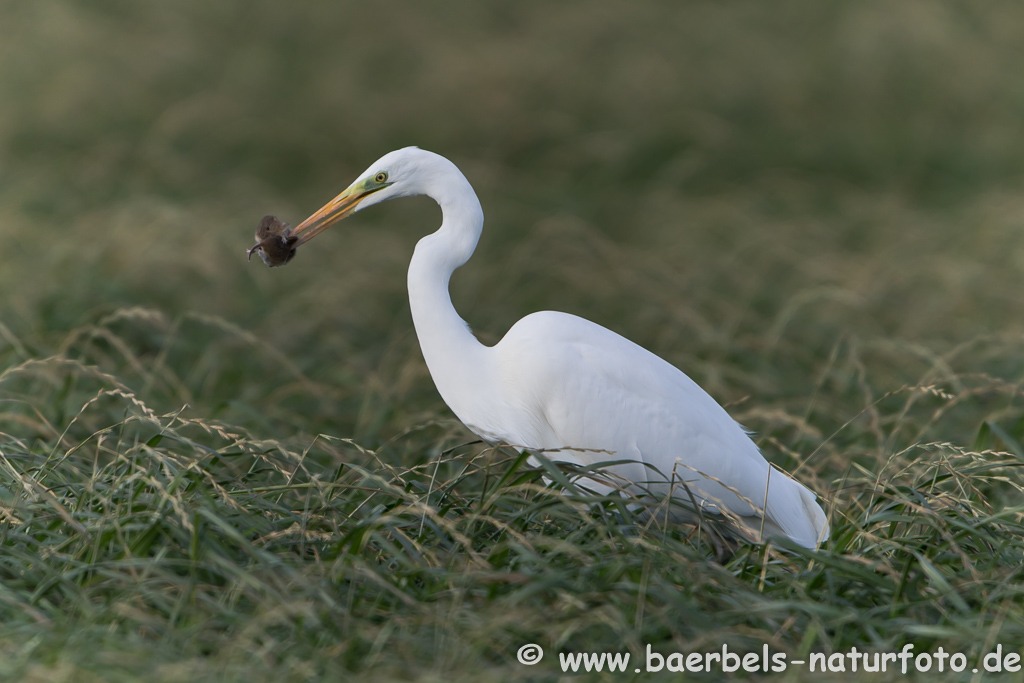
(213, 471)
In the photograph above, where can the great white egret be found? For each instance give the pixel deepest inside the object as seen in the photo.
(562, 385)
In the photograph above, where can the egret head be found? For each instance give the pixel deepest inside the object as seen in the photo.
(401, 173)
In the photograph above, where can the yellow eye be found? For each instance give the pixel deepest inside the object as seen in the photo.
(381, 177)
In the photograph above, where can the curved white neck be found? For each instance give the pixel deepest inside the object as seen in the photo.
(453, 355)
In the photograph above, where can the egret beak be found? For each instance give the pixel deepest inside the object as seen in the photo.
(332, 212)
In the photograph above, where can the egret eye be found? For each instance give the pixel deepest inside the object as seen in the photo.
(381, 177)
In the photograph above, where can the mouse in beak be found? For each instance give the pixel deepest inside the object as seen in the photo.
(274, 242)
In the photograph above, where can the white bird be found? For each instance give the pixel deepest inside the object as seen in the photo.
(567, 387)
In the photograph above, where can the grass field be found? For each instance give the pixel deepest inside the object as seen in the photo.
(213, 471)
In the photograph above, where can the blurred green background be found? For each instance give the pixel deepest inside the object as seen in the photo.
(804, 205)
(693, 175)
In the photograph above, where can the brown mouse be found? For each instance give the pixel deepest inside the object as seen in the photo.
(274, 242)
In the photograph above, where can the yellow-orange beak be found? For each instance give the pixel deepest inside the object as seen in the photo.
(332, 212)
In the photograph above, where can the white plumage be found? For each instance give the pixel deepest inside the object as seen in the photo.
(564, 385)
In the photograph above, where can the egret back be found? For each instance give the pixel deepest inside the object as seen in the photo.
(572, 387)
